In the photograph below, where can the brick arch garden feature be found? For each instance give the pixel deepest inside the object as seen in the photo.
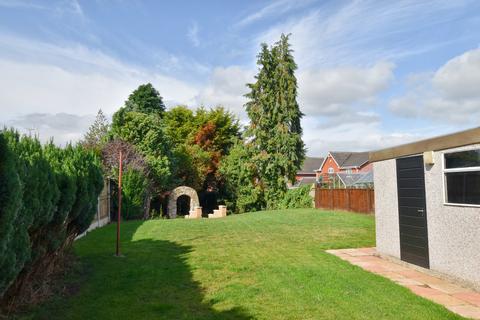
(180, 191)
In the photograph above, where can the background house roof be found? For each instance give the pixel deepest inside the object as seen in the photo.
(305, 181)
(350, 159)
(310, 165)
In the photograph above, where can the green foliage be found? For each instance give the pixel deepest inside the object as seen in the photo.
(145, 99)
(225, 129)
(62, 164)
(274, 130)
(89, 182)
(200, 139)
(179, 124)
(191, 165)
(134, 186)
(243, 193)
(48, 196)
(179, 146)
(40, 193)
(297, 198)
(96, 135)
(14, 249)
(146, 133)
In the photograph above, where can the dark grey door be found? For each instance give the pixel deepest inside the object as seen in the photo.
(412, 211)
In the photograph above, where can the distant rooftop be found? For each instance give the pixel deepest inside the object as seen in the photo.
(310, 165)
(350, 159)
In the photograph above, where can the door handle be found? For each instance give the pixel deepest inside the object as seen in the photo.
(421, 211)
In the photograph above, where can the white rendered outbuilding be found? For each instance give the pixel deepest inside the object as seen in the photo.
(427, 204)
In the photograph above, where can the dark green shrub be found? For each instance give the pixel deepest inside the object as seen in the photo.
(242, 193)
(134, 191)
(14, 248)
(297, 198)
(87, 170)
(61, 161)
(48, 196)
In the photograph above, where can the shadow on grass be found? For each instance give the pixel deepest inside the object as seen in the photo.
(152, 281)
(165, 281)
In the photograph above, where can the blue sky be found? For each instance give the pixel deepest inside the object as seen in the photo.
(371, 73)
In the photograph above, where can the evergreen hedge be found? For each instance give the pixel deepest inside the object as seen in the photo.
(297, 198)
(48, 196)
(134, 193)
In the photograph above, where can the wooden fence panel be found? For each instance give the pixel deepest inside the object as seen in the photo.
(356, 200)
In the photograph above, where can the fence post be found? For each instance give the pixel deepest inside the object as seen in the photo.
(347, 191)
(369, 202)
(332, 202)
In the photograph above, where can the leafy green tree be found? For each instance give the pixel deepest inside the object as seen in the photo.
(180, 123)
(96, 135)
(200, 140)
(145, 99)
(243, 193)
(146, 133)
(191, 165)
(274, 132)
(134, 193)
(217, 129)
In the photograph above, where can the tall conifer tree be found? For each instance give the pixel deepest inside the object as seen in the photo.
(96, 135)
(145, 99)
(274, 132)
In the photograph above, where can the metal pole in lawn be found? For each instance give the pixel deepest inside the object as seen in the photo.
(119, 202)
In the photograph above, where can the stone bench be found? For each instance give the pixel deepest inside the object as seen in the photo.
(219, 213)
(196, 213)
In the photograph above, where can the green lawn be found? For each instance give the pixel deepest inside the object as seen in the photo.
(266, 265)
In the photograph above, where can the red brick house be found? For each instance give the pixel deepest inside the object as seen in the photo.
(307, 174)
(343, 162)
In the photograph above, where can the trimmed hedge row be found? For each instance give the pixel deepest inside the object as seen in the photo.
(48, 196)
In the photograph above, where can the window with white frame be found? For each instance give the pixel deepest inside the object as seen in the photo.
(462, 177)
(330, 170)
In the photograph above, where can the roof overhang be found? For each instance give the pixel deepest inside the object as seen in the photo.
(459, 139)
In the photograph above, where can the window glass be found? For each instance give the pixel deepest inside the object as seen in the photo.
(462, 159)
(463, 187)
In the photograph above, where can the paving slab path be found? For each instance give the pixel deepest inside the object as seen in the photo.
(456, 298)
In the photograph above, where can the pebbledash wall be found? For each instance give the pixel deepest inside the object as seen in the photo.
(453, 230)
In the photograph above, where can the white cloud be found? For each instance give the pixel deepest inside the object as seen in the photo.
(20, 4)
(192, 34)
(65, 7)
(227, 87)
(63, 126)
(38, 77)
(340, 94)
(450, 95)
(275, 8)
(459, 78)
(329, 92)
(348, 34)
(344, 53)
(351, 136)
